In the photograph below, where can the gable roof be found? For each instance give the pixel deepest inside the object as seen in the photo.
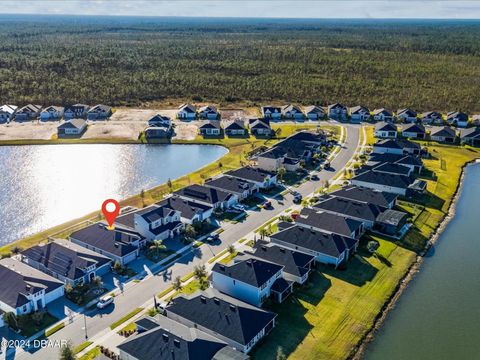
(471, 133)
(20, 280)
(383, 111)
(251, 174)
(314, 109)
(431, 114)
(328, 222)
(230, 184)
(9, 109)
(382, 178)
(30, 108)
(204, 194)
(222, 314)
(237, 124)
(53, 108)
(414, 128)
(385, 126)
(65, 258)
(155, 212)
(271, 109)
(168, 339)
(407, 159)
(259, 124)
(250, 271)
(443, 131)
(359, 109)
(100, 107)
(393, 168)
(336, 105)
(73, 124)
(375, 197)
(187, 208)
(391, 217)
(457, 115)
(212, 124)
(158, 118)
(407, 111)
(307, 136)
(291, 108)
(208, 109)
(189, 108)
(349, 207)
(397, 144)
(326, 243)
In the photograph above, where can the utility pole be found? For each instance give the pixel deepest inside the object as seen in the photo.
(85, 325)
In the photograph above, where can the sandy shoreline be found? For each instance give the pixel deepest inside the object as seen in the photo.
(369, 337)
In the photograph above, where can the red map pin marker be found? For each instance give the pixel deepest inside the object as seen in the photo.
(110, 209)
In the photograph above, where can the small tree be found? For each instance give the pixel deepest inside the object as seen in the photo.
(263, 232)
(169, 184)
(281, 173)
(157, 247)
(16, 250)
(200, 273)
(372, 246)
(190, 233)
(280, 354)
(117, 267)
(97, 281)
(231, 249)
(11, 320)
(177, 284)
(67, 352)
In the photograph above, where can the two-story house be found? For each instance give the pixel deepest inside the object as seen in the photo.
(7, 113)
(77, 111)
(28, 112)
(52, 113)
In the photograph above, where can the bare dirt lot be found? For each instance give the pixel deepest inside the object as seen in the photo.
(28, 130)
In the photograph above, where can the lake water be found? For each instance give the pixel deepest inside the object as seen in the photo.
(46, 185)
(438, 316)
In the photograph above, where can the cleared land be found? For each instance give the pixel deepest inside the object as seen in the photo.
(328, 317)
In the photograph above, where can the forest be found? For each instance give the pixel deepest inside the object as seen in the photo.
(129, 61)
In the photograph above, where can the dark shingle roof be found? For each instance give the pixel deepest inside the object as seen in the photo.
(376, 177)
(473, 132)
(348, 207)
(212, 124)
(457, 115)
(319, 241)
(385, 126)
(314, 109)
(391, 217)
(393, 169)
(236, 124)
(251, 174)
(328, 222)
(407, 111)
(443, 131)
(358, 109)
(116, 242)
(259, 124)
(251, 271)
(397, 144)
(230, 184)
(72, 124)
(375, 197)
(376, 159)
(222, 314)
(65, 258)
(414, 128)
(187, 208)
(204, 194)
(187, 108)
(384, 111)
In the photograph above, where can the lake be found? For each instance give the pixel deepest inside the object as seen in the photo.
(46, 185)
(438, 316)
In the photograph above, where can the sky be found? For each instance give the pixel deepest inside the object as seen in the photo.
(428, 9)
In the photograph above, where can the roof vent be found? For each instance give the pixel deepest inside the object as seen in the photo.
(177, 343)
(203, 299)
(165, 337)
(216, 301)
(264, 248)
(233, 307)
(282, 250)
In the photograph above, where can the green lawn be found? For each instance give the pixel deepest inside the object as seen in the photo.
(28, 326)
(91, 354)
(329, 316)
(125, 318)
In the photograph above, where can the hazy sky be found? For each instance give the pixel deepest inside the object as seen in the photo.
(233, 8)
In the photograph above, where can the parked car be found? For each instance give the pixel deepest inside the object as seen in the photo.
(268, 205)
(213, 238)
(315, 177)
(297, 197)
(105, 301)
(239, 207)
(326, 165)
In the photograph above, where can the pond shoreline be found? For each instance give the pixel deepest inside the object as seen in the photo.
(359, 351)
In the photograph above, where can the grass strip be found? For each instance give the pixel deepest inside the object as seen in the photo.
(125, 318)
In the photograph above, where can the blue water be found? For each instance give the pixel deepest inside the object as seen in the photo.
(46, 185)
(438, 316)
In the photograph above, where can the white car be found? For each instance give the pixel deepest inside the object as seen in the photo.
(105, 301)
(239, 207)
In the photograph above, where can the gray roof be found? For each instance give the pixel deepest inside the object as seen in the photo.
(291, 108)
(457, 115)
(155, 212)
(30, 108)
(394, 158)
(358, 109)
(393, 169)
(336, 105)
(397, 144)
(73, 124)
(314, 109)
(326, 243)
(328, 222)
(414, 128)
(385, 126)
(407, 111)
(443, 131)
(20, 280)
(170, 340)
(348, 207)
(431, 114)
(212, 124)
(375, 197)
(251, 174)
(187, 208)
(100, 107)
(204, 194)
(222, 314)
(65, 258)
(308, 137)
(473, 132)
(381, 178)
(229, 353)
(391, 217)
(187, 108)
(250, 271)
(237, 124)
(384, 111)
(271, 108)
(259, 124)
(294, 262)
(230, 184)
(116, 242)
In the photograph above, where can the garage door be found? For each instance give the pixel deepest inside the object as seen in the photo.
(130, 257)
(54, 294)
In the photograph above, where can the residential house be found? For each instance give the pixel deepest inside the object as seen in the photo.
(250, 280)
(7, 113)
(412, 161)
(68, 262)
(210, 128)
(443, 134)
(396, 146)
(99, 112)
(307, 137)
(260, 127)
(74, 127)
(276, 158)
(208, 112)
(187, 112)
(233, 185)
(292, 112)
(120, 244)
(457, 118)
(235, 128)
(158, 222)
(381, 199)
(190, 211)
(271, 112)
(263, 179)
(476, 120)
(391, 168)
(52, 113)
(28, 112)
(431, 117)
(328, 222)
(356, 210)
(337, 111)
(160, 120)
(314, 112)
(414, 131)
(386, 130)
(239, 324)
(382, 115)
(165, 339)
(206, 195)
(327, 248)
(296, 264)
(406, 115)
(470, 136)
(76, 111)
(25, 289)
(391, 222)
(158, 132)
(359, 113)
(383, 181)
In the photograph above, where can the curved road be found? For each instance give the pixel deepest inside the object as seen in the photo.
(141, 294)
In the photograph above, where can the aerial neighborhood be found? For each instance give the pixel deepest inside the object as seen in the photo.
(227, 318)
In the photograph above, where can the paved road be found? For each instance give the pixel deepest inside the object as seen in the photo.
(137, 294)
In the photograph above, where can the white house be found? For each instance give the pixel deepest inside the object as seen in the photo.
(383, 181)
(187, 112)
(7, 113)
(314, 112)
(271, 112)
(292, 112)
(385, 130)
(52, 113)
(359, 113)
(443, 134)
(432, 117)
(263, 179)
(337, 111)
(25, 289)
(249, 280)
(397, 146)
(28, 112)
(191, 212)
(457, 118)
(76, 111)
(205, 195)
(406, 115)
(208, 112)
(73, 127)
(382, 115)
(158, 222)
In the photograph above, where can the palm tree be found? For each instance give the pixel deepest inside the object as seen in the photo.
(281, 173)
(263, 232)
(157, 247)
(231, 249)
(200, 273)
(177, 284)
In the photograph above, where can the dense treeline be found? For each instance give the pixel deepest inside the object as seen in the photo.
(129, 61)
